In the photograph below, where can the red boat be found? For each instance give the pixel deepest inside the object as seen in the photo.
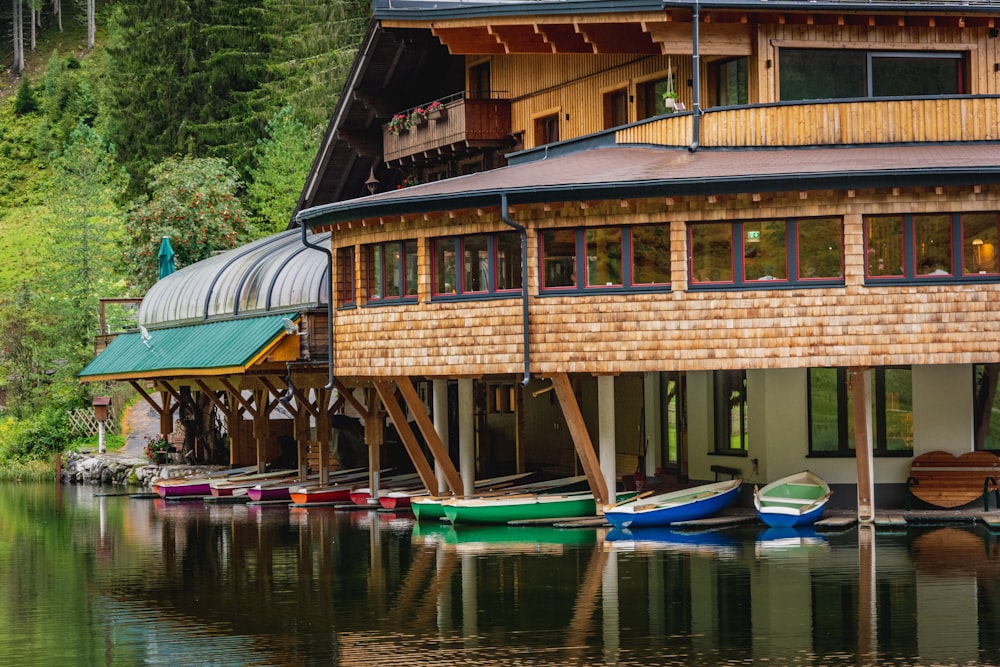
(282, 490)
(341, 492)
(240, 484)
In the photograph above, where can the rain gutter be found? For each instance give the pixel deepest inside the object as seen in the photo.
(696, 78)
(329, 302)
(505, 216)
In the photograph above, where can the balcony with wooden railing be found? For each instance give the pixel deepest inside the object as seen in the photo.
(828, 123)
(460, 124)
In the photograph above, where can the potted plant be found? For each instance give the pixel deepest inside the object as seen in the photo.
(418, 117)
(436, 110)
(408, 182)
(157, 449)
(398, 124)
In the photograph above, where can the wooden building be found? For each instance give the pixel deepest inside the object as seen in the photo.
(738, 237)
(803, 251)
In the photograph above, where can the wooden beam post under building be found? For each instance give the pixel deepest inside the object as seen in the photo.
(581, 438)
(434, 443)
(374, 437)
(324, 434)
(398, 417)
(860, 383)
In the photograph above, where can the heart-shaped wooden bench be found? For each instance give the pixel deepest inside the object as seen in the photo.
(944, 480)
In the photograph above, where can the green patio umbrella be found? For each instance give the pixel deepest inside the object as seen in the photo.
(166, 258)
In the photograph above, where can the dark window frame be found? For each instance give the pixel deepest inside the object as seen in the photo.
(794, 262)
(879, 425)
(346, 269)
(407, 253)
(723, 382)
(910, 276)
(580, 285)
(458, 247)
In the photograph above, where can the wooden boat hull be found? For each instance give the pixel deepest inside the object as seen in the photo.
(193, 488)
(323, 494)
(795, 500)
(698, 502)
(504, 509)
(430, 508)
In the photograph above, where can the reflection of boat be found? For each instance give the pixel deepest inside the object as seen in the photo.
(664, 538)
(199, 484)
(783, 539)
(663, 509)
(482, 538)
(431, 508)
(795, 500)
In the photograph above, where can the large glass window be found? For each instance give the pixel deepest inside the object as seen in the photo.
(932, 246)
(732, 81)
(616, 108)
(491, 263)
(831, 419)
(730, 412)
(603, 246)
(812, 74)
(345, 273)
(392, 270)
(987, 405)
(606, 257)
(979, 244)
(767, 253)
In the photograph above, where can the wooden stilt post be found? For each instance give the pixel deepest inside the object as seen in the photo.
(581, 438)
(398, 417)
(861, 399)
(374, 437)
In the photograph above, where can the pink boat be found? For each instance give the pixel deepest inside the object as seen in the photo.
(194, 485)
(282, 490)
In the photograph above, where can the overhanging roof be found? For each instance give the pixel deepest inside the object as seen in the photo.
(214, 348)
(643, 171)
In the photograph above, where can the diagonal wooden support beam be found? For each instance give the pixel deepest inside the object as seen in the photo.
(238, 397)
(149, 399)
(349, 397)
(385, 392)
(426, 426)
(227, 410)
(581, 438)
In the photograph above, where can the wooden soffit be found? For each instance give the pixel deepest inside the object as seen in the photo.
(721, 33)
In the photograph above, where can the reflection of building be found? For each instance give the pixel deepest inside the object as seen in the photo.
(722, 286)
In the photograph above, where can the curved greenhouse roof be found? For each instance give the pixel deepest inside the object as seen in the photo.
(271, 275)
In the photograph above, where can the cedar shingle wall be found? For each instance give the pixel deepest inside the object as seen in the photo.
(850, 325)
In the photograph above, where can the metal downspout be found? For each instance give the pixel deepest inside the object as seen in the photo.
(504, 215)
(696, 78)
(329, 301)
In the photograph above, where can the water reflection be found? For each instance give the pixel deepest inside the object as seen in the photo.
(129, 582)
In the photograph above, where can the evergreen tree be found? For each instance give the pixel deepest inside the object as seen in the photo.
(282, 161)
(24, 102)
(311, 47)
(180, 74)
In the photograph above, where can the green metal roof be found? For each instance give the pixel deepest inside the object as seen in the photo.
(229, 346)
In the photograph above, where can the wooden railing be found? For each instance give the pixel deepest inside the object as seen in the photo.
(963, 118)
(474, 123)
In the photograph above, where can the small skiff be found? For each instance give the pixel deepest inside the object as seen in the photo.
(795, 500)
(698, 502)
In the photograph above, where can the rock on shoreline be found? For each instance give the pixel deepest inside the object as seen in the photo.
(91, 468)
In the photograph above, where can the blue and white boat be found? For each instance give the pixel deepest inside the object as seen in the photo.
(795, 500)
(663, 509)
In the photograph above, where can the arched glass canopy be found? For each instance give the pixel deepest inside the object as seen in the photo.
(271, 275)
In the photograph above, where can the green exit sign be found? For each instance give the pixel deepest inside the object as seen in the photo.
(753, 235)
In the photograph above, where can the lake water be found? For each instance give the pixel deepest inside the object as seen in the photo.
(87, 579)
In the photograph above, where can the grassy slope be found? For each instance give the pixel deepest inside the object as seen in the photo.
(22, 238)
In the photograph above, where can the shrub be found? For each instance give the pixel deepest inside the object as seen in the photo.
(25, 102)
